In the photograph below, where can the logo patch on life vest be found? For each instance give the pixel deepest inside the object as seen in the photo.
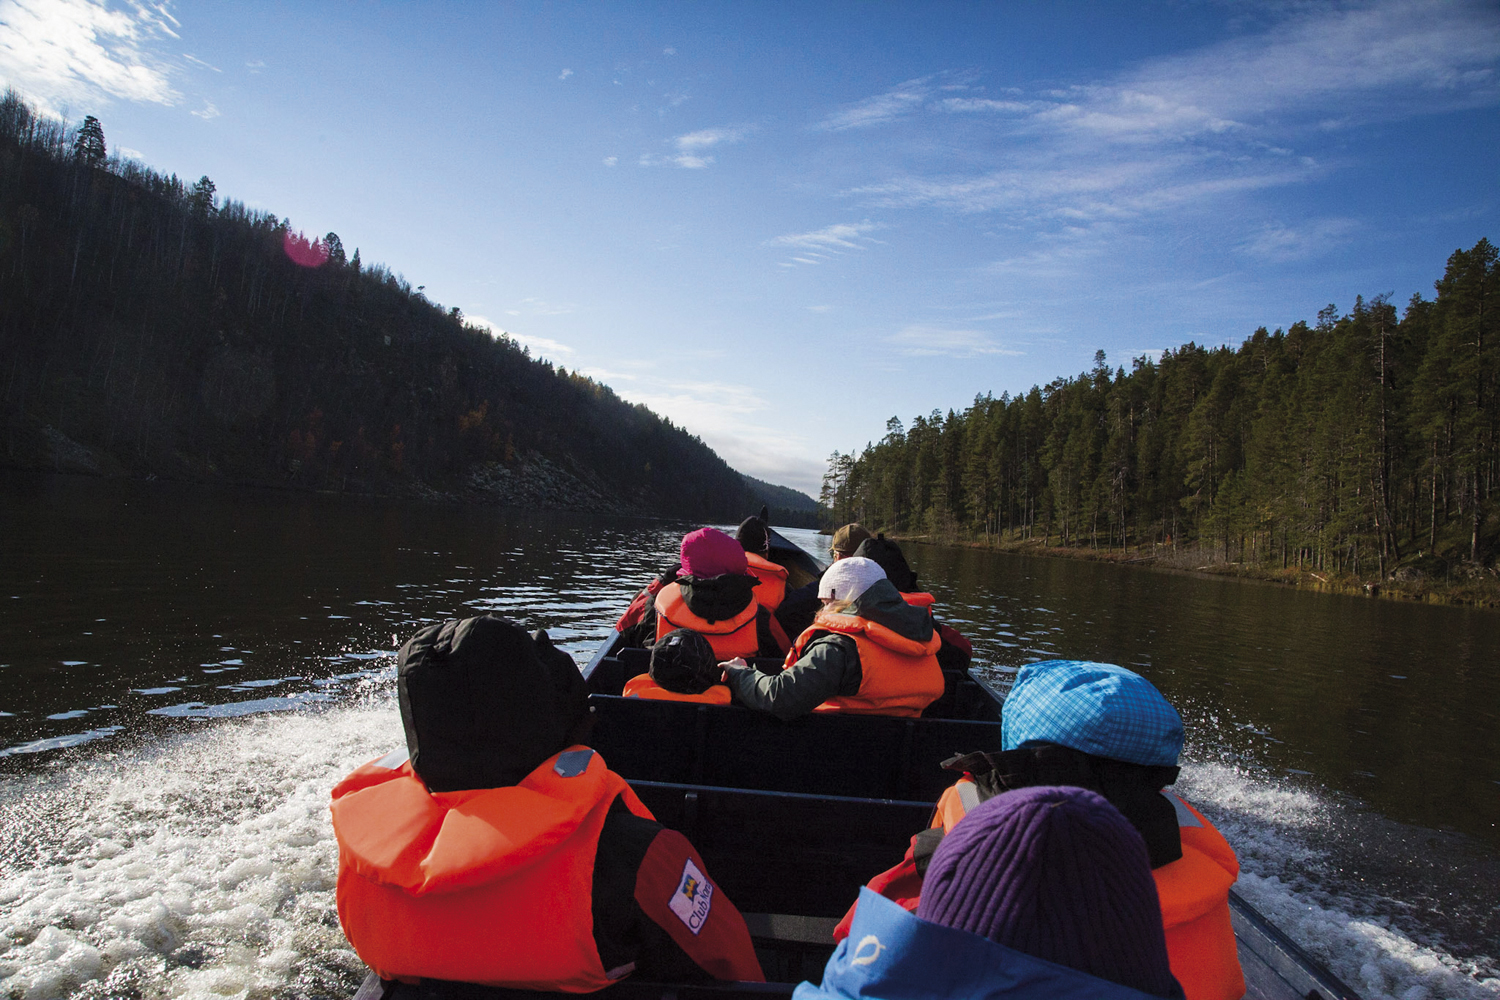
(694, 897)
(862, 956)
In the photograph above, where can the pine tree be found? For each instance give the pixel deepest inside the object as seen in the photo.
(335, 248)
(88, 145)
(201, 201)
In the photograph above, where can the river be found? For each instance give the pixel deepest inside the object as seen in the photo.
(185, 672)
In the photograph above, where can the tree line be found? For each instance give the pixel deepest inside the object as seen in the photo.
(1364, 444)
(149, 327)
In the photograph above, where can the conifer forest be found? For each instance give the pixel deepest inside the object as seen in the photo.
(149, 327)
(1366, 444)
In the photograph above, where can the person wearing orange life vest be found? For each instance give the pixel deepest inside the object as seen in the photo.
(714, 595)
(683, 668)
(1102, 727)
(867, 652)
(754, 536)
(499, 850)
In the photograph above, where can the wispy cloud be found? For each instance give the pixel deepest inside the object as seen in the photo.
(74, 51)
(1279, 243)
(1192, 131)
(830, 241)
(565, 74)
(208, 112)
(256, 65)
(199, 62)
(669, 51)
(709, 137)
(610, 161)
(898, 102)
(691, 148)
(931, 341)
(540, 346)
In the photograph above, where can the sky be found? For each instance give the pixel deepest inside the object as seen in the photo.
(780, 224)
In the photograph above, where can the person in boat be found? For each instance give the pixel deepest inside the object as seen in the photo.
(498, 849)
(867, 652)
(800, 606)
(710, 591)
(956, 650)
(1041, 893)
(1108, 729)
(754, 536)
(683, 668)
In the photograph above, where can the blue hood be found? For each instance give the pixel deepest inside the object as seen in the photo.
(892, 955)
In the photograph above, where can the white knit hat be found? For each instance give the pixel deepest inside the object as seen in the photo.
(848, 578)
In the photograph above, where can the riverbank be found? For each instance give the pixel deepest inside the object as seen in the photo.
(1467, 584)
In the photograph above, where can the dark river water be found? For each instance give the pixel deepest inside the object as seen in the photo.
(184, 673)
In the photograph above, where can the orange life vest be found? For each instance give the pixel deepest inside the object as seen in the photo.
(642, 686)
(918, 599)
(899, 676)
(491, 886)
(730, 637)
(1194, 894)
(772, 581)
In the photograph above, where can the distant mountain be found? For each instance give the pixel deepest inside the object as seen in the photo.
(789, 508)
(147, 328)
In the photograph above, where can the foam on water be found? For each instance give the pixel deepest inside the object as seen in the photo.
(1299, 852)
(202, 866)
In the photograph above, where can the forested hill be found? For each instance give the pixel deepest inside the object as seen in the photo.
(147, 328)
(1367, 444)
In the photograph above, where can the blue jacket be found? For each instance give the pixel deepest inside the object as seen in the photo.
(892, 955)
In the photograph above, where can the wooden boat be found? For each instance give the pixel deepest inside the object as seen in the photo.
(791, 818)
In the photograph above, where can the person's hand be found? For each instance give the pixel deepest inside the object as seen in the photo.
(735, 664)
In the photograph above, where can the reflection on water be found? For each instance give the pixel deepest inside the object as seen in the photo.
(185, 674)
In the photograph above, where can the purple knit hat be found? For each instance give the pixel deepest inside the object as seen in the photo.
(709, 552)
(1057, 873)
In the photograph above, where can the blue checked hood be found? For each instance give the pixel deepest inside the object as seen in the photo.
(892, 955)
(1098, 708)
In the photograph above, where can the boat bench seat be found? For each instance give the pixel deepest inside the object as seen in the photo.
(861, 756)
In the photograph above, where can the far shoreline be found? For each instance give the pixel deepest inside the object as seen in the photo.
(1481, 589)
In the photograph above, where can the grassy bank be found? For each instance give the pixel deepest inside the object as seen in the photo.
(1433, 583)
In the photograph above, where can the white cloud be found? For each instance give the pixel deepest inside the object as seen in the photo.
(1279, 243)
(836, 238)
(690, 146)
(540, 346)
(898, 102)
(669, 51)
(208, 112)
(256, 66)
(821, 244)
(819, 309)
(565, 74)
(708, 137)
(1197, 131)
(924, 341)
(610, 161)
(199, 62)
(81, 51)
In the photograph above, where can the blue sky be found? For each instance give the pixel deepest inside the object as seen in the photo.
(780, 224)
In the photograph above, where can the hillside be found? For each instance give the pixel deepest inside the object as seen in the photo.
(148, 328)
(789, 507)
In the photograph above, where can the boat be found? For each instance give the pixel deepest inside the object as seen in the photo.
(791, 818)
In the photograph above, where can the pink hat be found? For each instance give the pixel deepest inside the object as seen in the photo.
(709, 552)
